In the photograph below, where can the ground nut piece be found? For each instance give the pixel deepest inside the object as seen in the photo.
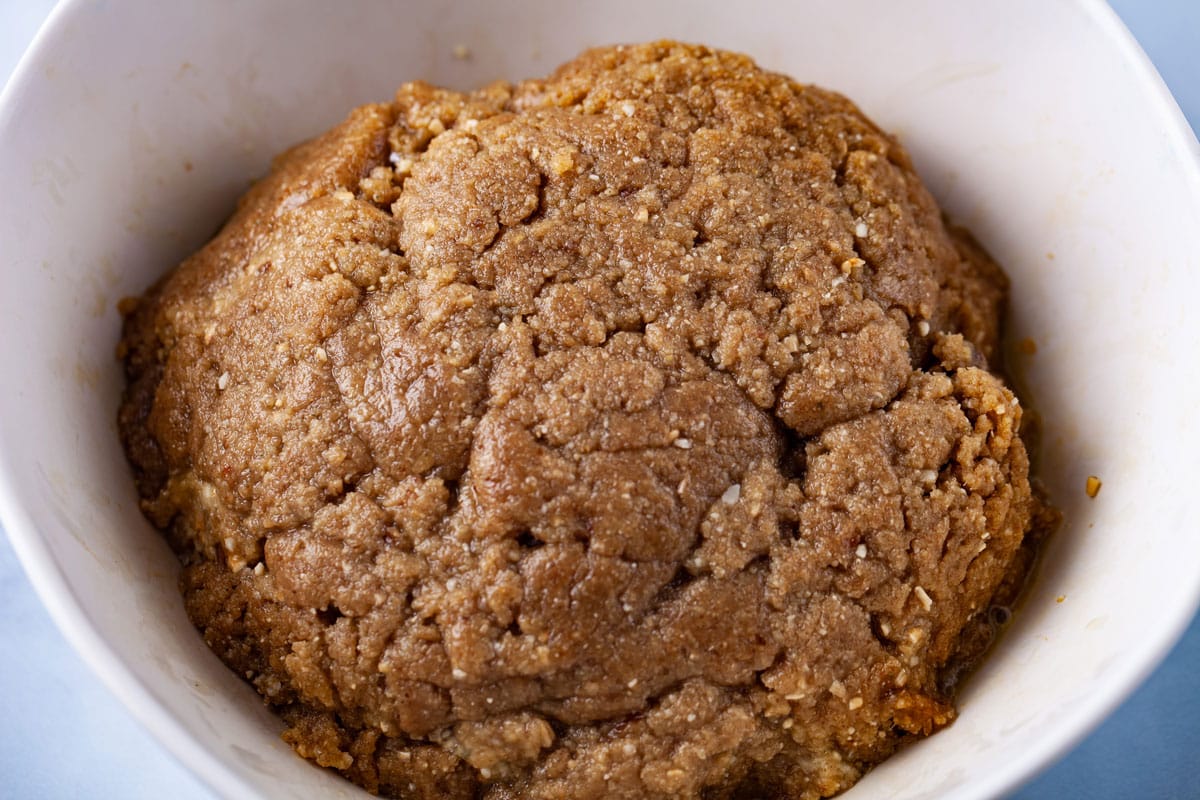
(499, 747)
(623, 434)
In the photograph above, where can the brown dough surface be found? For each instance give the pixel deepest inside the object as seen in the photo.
(623, 434)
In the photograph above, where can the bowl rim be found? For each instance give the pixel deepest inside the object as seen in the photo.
(65, 608)
(71, 617)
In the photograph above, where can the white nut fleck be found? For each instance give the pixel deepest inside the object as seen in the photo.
(223, 381)
(683, 444)
(732, 494)
(861, 551)
(861, 230)
(402, 163)
(924, 597)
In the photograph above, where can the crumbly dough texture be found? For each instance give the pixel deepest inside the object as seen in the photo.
(623, 434)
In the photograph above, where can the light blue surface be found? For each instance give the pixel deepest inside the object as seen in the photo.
(63, 736)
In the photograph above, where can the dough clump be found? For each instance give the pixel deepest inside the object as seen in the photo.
(623, 434)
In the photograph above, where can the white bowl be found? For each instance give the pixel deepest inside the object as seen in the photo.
(131, 127)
